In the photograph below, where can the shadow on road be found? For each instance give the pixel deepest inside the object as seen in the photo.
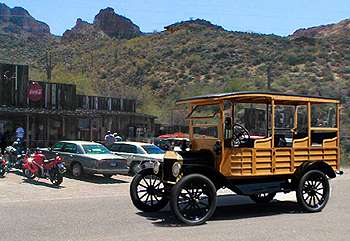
(229, 207)
(17, 172)
(37, 182)
(96, 179)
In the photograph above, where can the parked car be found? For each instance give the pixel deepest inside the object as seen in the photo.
(172, 144)
(82, 157)
(139, 155)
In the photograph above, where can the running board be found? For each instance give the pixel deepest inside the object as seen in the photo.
(264, 187)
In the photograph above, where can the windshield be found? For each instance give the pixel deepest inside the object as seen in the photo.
(95, 149)
(152, 149)
(205, 120)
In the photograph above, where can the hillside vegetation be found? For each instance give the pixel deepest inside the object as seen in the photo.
(192, 59)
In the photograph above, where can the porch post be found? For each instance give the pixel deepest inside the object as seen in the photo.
(27, 130)
(90, 129)
(63, 128)
(48, 132)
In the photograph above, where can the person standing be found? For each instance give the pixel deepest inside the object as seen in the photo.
(20, 134)
(117, 137)
(109, 139)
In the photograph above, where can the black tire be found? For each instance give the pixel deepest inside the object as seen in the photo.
(148, 192)
(28, 174)
(133, 169)
(193, 199)
(107, 175)
(262, 197)
(77, 170)
(2, 172)
(57, 179)
(313, 191)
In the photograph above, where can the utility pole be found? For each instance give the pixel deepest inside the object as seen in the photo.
(48, 65)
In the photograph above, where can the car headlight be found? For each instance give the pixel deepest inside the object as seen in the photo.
(156, 167)
(176, 169)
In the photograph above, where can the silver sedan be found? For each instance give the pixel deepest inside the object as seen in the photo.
(82, 157)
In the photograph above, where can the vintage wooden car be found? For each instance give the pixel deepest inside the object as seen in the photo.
(254, 143)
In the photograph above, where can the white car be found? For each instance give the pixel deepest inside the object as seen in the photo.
(138, 154)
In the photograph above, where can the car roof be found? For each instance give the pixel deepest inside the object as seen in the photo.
(79, 142)
(258, 96)
(135, 143)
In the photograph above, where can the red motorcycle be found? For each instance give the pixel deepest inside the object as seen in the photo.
(3, 166)
(36, 165)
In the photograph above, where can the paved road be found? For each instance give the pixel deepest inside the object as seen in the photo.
(100, 209)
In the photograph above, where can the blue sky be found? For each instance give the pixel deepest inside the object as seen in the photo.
(262, 16)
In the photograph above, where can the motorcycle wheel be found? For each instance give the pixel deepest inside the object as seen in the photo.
(28, 174)
(2, 172)
(57, 179)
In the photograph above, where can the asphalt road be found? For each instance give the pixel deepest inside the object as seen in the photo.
(100, 209)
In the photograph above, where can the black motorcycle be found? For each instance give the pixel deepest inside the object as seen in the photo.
(14, 157)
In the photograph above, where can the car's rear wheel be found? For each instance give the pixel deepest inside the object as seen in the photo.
(262, 197)
(193, 199)
(77, 170)
(147, 192)
(313, 191)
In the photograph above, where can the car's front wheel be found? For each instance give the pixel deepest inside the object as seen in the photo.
(147, 192)
(193, 199)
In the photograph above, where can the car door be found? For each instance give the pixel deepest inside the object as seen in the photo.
(127, 151)
(68, 153)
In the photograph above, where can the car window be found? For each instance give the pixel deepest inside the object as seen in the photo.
(58, 146)
(140, 151)
(126, 148)
(115, 147)
(152, 149)
(70, 148)
(95, 149)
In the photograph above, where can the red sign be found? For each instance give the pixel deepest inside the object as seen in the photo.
(35, 92)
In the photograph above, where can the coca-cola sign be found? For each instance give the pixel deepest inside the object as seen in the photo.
(35, 92)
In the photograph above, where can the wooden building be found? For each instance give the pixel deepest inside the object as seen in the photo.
(50, 112)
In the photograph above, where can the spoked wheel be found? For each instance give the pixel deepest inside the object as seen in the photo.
(262, 197)
(193, 199)
(313, 191)
(147, 192)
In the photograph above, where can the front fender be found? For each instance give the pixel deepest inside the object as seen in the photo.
(216, 177)
(25, 165)
(147, 171)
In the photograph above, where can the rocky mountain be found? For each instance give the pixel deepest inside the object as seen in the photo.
(106, 23)
(324, 31)
(111, 57)
(116, 26)
(17, 20)
(82, 31)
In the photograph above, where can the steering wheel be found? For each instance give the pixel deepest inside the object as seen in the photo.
(240, 135)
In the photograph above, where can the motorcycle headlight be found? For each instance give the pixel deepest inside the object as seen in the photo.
(156, 167)
(176, 169)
